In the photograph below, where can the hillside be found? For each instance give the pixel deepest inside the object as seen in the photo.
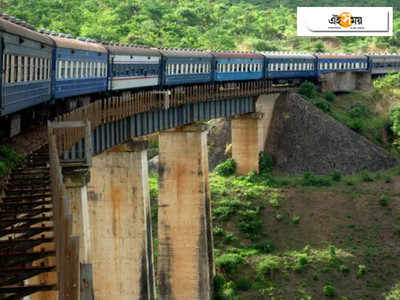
(306, 242)
(218, 24)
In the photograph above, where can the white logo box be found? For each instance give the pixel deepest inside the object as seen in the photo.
(344, 21)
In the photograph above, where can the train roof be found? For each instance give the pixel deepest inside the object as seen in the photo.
(340, 55)
(21, 28)
(188, 53)
(276, 54)
(383, 55)
(125, 49)
(66, 41)
(237, 54)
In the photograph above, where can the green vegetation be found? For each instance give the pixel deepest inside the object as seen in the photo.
(373, 114)
(329, 290)
(226, 168)
(219, 24)
(9, 159)
(283, 243)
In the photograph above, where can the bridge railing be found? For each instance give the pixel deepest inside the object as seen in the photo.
(134, 102)
(69, 270)
(72, 132)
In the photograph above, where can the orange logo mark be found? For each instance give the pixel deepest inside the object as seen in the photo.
(345, 19)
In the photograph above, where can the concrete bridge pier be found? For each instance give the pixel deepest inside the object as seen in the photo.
(120, 224)
(75, 182)
(249, 133)
(185, 252)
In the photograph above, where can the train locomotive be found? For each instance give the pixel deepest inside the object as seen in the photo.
(41, 69)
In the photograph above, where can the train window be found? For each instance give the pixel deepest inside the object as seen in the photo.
(13, 70)
(37, 68)
(44, 76)
(5, 68)
(88, 69)
(48, 68)
(24, 69)
(40, 68)
(20, 74)
(66, 76)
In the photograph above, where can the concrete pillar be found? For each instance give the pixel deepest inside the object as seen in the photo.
(245, 143)
(185, 257)
(119, 211)
(75, 182)
(250, 132)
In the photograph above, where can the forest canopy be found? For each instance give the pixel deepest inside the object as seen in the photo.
(202, 24)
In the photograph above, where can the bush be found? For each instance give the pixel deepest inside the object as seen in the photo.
(9, 159)
(336, 175)
(226, 168)
(243, 284)
(308, 90)
(384, 200)
(322, 104)
(330, 97)
(355, 124)
(265, 163)
(296, 219)
(358, 110)
(329, 290)
(3, 169)
(362, 270)
(366, 177)
(265, 247)
(310, 179)
(344, 269)
(268, 265)
(229, 262)
(153, 186)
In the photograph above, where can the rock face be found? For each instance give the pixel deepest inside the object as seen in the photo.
(303, 138)
(219, 137)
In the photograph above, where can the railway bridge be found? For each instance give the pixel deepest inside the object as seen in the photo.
(100, 244)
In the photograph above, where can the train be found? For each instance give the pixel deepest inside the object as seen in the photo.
(44, 67)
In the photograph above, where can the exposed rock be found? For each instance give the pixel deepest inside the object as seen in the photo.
(154, 164)
(219, 138)
(303, 138)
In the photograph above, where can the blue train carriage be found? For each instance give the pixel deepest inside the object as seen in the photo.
(289, 66)
(238, 66)
(133, 67)
(26, 66)
(339, 62)
(384, 63)
(185, 66)
(80, 67)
